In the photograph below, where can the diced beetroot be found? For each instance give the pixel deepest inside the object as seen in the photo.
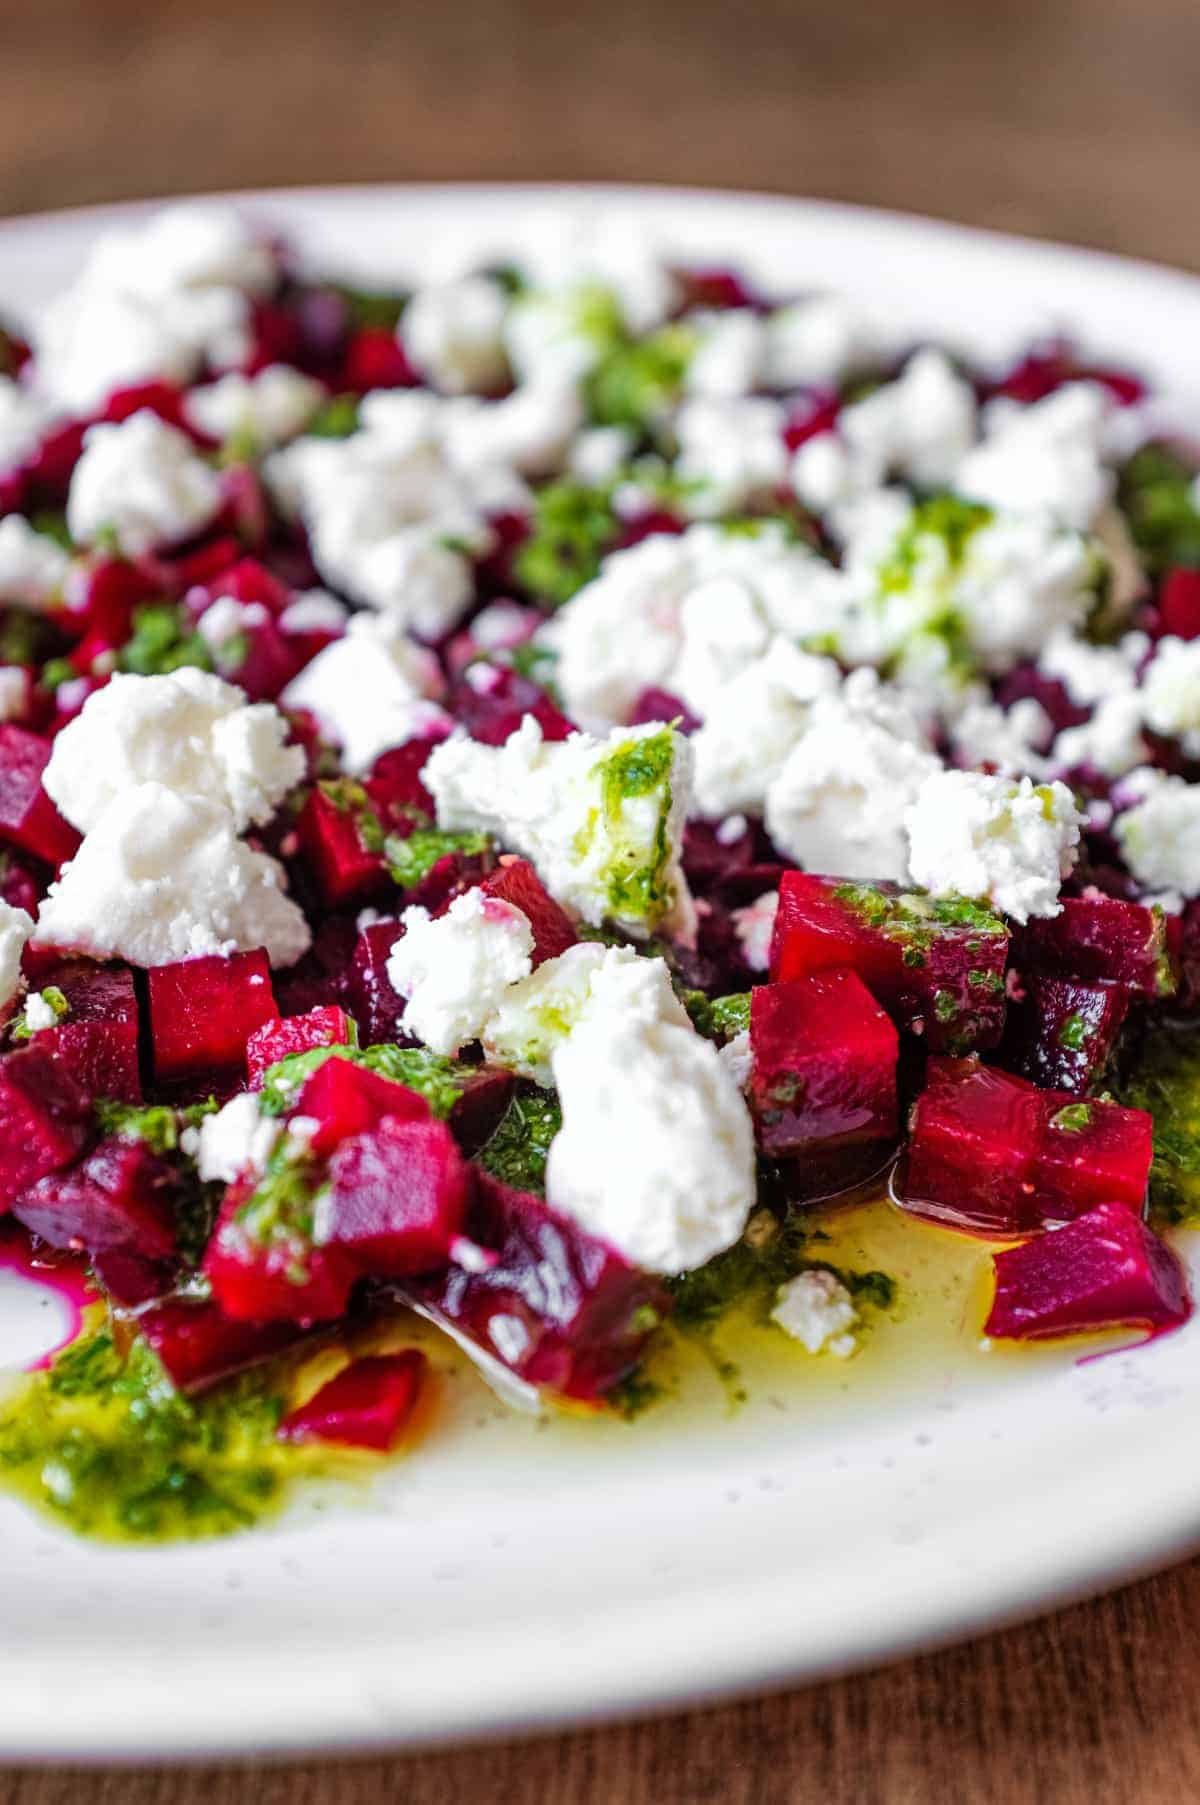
(18, 885)
(394, 784)
(97, 1040)
(366, 1405)
(345, 868)
(661, 705)
(45, 1119)
(274, 1273)
(266, 661)
(248, 580)
(1048, 367)
(1104, 1270)
(515, 881)
(824, 1066)
(935, 964)
(203, 1011)
(1105, 939)
(370, 996)
(1179, 603)
(199, 1345)
(374, 360)
(1092, 1153)
(448, 878)
(129, 1279)
(348, 1099)
(1063, 1033)
(717, 287)
(156, 397)
(118, 1197)
(711, 856)
(28, 818)
(814, 414)
(558, 1307)
(481, 1103)
(397, 1198)
(328, 1026)
(491, 701)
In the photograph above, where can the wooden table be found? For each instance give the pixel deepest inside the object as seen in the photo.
(1066, 118)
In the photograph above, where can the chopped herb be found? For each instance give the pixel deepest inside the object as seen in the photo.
(1157, 495)
(1073, 1034)
(371, 307)
(573, 526)
(336, 420)
(1166, 1083)
(517, 1151)
(1072, 1119)
(638, 381)
(635, 873)
(163, 640)
(411, 858)
(157, 1124)
(718, 1018)
(54, 1000)
(440, 1081)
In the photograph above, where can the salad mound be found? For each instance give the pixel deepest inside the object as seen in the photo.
(519, 796)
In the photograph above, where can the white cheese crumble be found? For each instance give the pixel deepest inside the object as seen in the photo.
(15, 928)
(732, 449)
(236, 1140)
(1110, 742)
(314, 611)
(737, 1056)
(25, 418)
(754, 926)
(752, 725)
(454, 969)
(1044, 457)
(39, 1013)
(33, 567)
(818, 342)
(266, 409)
(161, 877)
(1159, 836)
(1171, 692)
(917, 427)
(599, 453)
(453, 334)
(1014, 740)
(189, 731)
(142, 482)
(371, 690)
(1090, 673)
(729, 354)
(656, 1150)
(818, 1311)
(533, 1016)
(979, 836)
(604, 854)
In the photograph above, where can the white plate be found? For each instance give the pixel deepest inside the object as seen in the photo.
(518, 1580)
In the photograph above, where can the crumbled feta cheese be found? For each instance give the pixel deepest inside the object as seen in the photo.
(190, 732)
(730, 350)
(1044, 457)
(15, 928)
(534, 1016)
(917, 427)
(452, 332)
(754, 926)
(39, 1013)
(453, 970)
(738, 1059)
(370, 690)
(529, 431)
(191, 245)
(1013, 740)
(819, 342)
(1171, 692)
(142, 482)
(752, 725)
(1090, 673)
(236, 1140)
(599, 250)
(1110, 742)
(33, 567)
(1159, 836)
(816, 1308)
(162, 877)
(656, 1150)
(732, 450)
(226, 619)
(837, 804)
(601, 820)
(14, 691)
(978, 836)
(825, 474)
(314, 611)
(268, 409)
(599, 452)
(25, 418)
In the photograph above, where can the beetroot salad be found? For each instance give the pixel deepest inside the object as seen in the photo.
(516, 795)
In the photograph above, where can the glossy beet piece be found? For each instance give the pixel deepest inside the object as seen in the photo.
(935, 964)
(515, 881)
(45, 1119)
(119, 1197)
(483, 1100)
(1104, 1270)
(274, 1273)
(199, 1345)
(1106, 940)
(262, 660)
(824, 1068)
(374, 360)
(1179, 604)
(397, 1198)
(19, 887)
(345, 868)
(203, 1011)
(370, 997)
(491, 702)
(394, 784)
(365, 1406)
(1062, 1035)
(28, 818)
(327, 1026)
(558, 1307)
(97, 1040)
(1092, 1153)
(345, 1099)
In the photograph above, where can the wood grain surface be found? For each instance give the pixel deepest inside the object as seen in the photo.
(1077, 119)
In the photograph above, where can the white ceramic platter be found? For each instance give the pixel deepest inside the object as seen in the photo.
(510, 1579)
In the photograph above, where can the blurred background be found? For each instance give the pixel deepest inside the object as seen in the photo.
(1077, 119)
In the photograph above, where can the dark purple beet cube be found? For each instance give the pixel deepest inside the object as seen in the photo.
(45, 1119)
(1090, 1153)
(203, 1011)
(1104, 1270)
(119, 1197)
(199, 1345)
(330, 834)
(973, 1137)
(481, 1103)
(397, 1198)
(346, 1099)
(1063, 1033)
(97, 1040)
(557, 1306)
(366, 1405)
(370, 996)
(491, 701)
(28, 818)
(394, 784)
(515, 881)
(270, 1270)
(326, 1026)
(1106, 940)
(824, 1068)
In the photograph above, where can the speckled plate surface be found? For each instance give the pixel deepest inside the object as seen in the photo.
(505, 1576)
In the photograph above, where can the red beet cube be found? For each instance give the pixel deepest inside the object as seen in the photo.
(1063, 1034)
(265, 1267)
(375, 360)
(345, 868)
(397, 1198)
(203, 1011)
(45, 1119)
(348, 1099)
(97, 1040)
(370, 996)
(481, 1103)
(1106, 940)
(491, 701)
(824, 1066)
(1179, 603)
(28, 818)
(936, 964)
(246, 581)
(119, 1197)
(1092, 1153)
(262, 660)
(1104, 1270)
(394, 784)
(366, 1405)
(199, 1345)
(327, 1026)
(556, 1306)
(515, 881)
